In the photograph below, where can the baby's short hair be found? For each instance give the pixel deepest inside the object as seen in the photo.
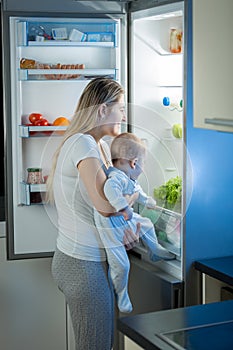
(127, 146)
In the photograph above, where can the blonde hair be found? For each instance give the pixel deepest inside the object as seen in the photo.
(99, 90)
(127, 146)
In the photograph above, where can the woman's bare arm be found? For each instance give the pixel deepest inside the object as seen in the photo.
(94, 178)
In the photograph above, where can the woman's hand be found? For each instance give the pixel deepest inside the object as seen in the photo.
(130, 238)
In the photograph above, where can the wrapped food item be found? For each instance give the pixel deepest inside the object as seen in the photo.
(28, 63)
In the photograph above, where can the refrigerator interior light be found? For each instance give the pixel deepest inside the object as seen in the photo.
(164, 16)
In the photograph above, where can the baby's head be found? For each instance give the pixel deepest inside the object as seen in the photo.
(128, 153)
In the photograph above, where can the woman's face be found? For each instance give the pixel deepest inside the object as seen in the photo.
(114, 116)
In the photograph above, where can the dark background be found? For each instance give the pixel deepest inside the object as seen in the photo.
(2, 177)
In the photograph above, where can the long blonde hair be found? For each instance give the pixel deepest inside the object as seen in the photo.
(98, 91)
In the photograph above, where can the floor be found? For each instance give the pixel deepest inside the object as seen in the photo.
(129, 345)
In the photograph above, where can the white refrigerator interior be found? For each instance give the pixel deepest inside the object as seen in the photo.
(52, 60)
(157, 113)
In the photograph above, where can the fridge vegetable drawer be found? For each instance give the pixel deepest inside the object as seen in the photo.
(167, 225)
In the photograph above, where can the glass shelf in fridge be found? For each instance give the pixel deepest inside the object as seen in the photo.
(65, 74)
(70, 43)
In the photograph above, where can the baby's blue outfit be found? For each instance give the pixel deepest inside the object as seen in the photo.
(111, 231)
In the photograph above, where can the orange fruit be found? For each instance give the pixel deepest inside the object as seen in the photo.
(61, 121)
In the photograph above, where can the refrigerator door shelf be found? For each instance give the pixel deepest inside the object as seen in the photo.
(65, 74)
(41, 131)
(162, 52)
(156, 47)
(27, 189)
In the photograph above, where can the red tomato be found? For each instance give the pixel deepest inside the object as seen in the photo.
(33, 117)
(41, 122)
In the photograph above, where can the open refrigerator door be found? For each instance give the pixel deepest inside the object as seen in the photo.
(156, 115)
(51, 60)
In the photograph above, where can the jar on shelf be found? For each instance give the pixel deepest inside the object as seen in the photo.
(176, 40)
(35, 177)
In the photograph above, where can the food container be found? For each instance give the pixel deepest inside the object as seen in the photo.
(176, 40)
(76, 35)
(59, 33)
(34, 176)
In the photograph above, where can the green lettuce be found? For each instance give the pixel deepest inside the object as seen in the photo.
(169, 194)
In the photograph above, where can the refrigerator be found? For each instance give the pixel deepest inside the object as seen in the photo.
(131, 41)
(50, 55)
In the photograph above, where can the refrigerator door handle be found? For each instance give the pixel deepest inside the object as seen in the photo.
(216, 121)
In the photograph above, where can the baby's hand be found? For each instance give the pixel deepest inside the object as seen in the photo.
(151, 203)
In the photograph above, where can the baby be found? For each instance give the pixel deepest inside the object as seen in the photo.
(128, 154)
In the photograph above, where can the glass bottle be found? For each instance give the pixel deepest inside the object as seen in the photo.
(176, 40)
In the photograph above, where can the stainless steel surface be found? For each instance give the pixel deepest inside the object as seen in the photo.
(151, 289)
(215, 121)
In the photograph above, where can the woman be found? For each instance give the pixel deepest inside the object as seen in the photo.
(76, 182)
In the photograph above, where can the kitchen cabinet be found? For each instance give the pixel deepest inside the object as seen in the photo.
(212, 64)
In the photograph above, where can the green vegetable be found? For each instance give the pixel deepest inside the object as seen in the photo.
(162, 236)
(169, 194)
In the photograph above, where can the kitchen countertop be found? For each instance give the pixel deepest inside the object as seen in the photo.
(199, 327)
(219, 268)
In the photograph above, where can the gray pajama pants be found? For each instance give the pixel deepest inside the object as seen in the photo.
(89, 295)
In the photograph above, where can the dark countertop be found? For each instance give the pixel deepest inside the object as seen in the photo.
(219, 268)
(147, 330)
